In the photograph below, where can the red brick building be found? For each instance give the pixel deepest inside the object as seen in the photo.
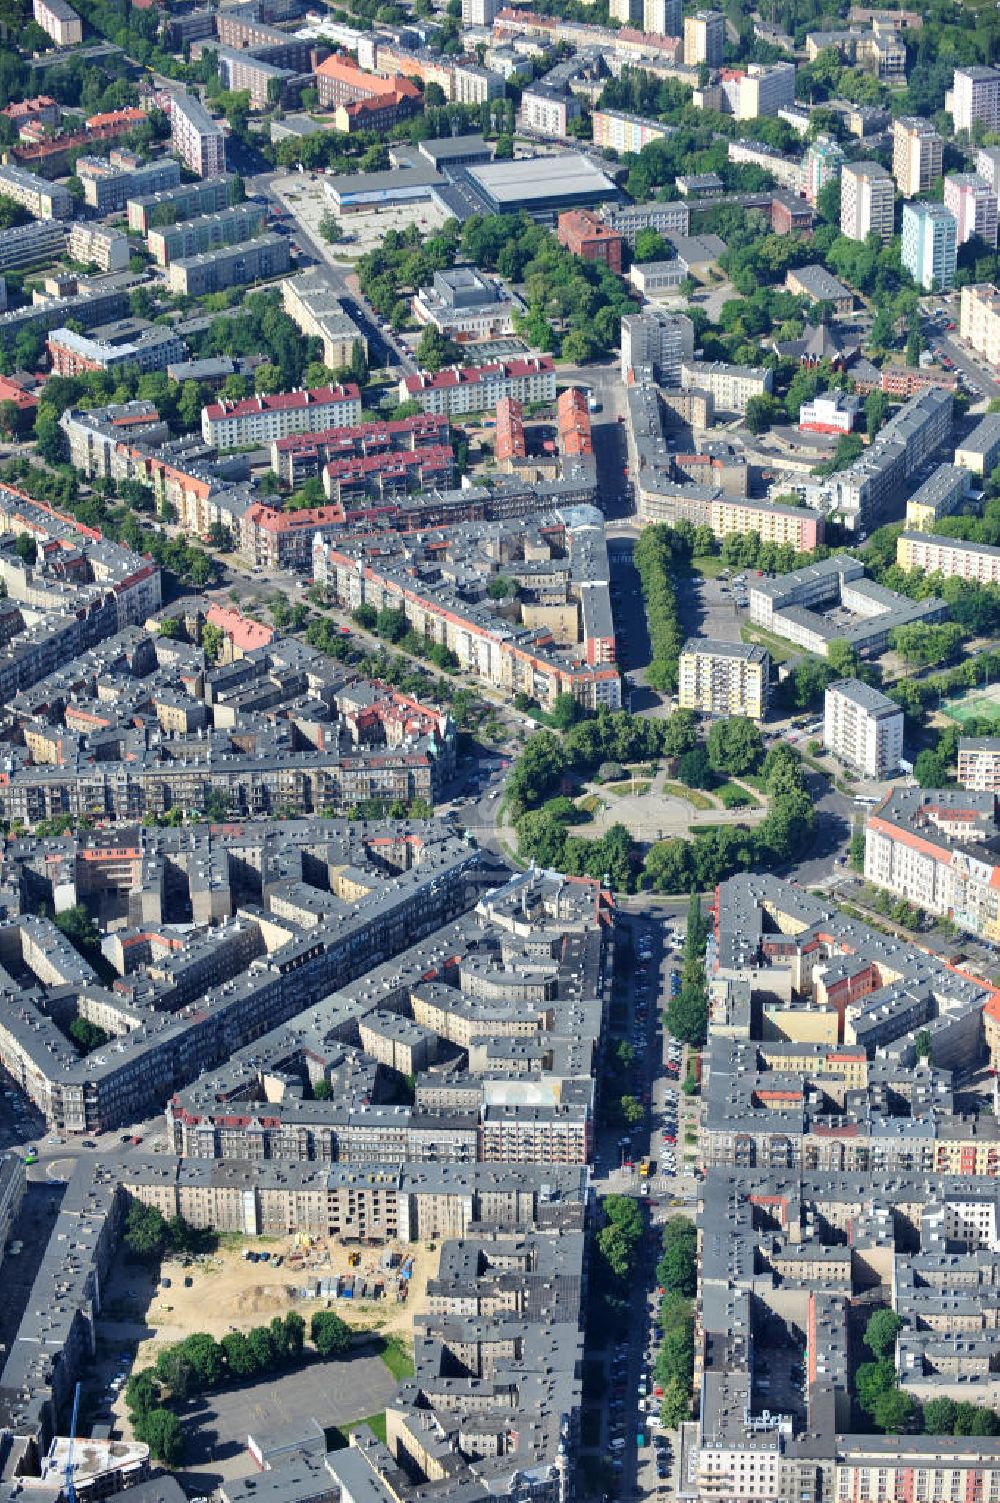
(381, 113)
(341, 81)
(585, 235)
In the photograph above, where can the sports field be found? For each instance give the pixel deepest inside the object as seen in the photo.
(977, 704)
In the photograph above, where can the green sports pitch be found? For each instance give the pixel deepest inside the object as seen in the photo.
(977, 704)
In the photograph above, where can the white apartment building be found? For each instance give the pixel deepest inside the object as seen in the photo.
(475, 388)
(979, 319)
(260, 420)
(929, 247)
(662, 340)
(548, 110)
(988, 165)
(623, 132)
(663, 18)
(764, 89)
(627, 12)
(972, 202)
(974, 95)
(196, 137)
(705, 38)
(863, 728)
(867, 201)
(917, 152)
(106, 248)
(479, 12)
(59, 20)
(724, 678)
(731, 386)
(42, 199)
(979, 763)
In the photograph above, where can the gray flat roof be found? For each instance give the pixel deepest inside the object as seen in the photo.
(541, 178)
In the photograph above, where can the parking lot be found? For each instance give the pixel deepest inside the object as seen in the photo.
(303, 194)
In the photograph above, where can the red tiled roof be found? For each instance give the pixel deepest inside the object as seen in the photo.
(317, 396)
(117, 117)
(245, 634)
(471, 375)
(341, 68)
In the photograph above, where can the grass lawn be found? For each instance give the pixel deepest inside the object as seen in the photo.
(396, 1355)
(590, 803)
(708, 567)
(375, 1422)
(621, 790)
(691, 795)
(780, 650)
(750, 801)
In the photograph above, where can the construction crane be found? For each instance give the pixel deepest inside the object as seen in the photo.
(68, 1475)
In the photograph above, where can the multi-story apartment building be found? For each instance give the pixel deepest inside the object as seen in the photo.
(764, 89)
(471, 84)
(929, 248)
(626, 12)
(153, 350)
(32, 244)
(209, 231)
(988, 165)
(936, 847)
(973, 203)
(98, 245)
(979, 319)
(724, 678)
(621, 132)
(657, 339)
(940, 494)
(974, 96)
(59, 20)
(510, 655)
(340, 81)
(198, 139)
(867, 202)
(663, 18)
(266, 83)
(108, 185)
(43, 200)
(261, 420)
(917, 152)
(797, 525)
(823, 161)
(150, 210)
(480, 12)
(548, 109)
(979, 763)
(705, 38)
(301, 455)
(863, 728)
(588, 237)
(231, 266)
(311, 304)
(979, 452)
(731, 386)
(951, 557)
(474, 388)
(379, 114)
